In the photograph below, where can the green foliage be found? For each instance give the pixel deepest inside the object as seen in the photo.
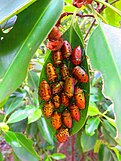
(93, 110)
(87, 141)
(23, 47)
(1, 157)
(37, 113)
(111, 17)
(110, 72)
(12, 104)
(58, 156)
(92, 125)
(46, 130)
(8, 10)
(21, 145)
(22, 124)
(11, 139)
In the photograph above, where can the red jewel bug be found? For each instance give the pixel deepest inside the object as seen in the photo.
(79, 98)
(77, 55)
(45, 90)
(66, 50)
(80, 74)
(51, 72)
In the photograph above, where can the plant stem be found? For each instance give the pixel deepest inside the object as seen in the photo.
(71, 13)
(114, 2)
(101, 17)
(88, 31)
(103, 7)
(59, 147)
(110, 6)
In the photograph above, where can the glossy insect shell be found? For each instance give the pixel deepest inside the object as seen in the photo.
(57, 57)
(77, 55)
(69, 86)
(45, 90)
(51, 72)
(48, 109)
(79, 98)
(66, 118)
(80, 74)
(79, 3)
(75, 113)
(57, 101)
(55, 45)
(66, 50)
(62, 135)
(64, 99)
(57, 87)
(55, 34)
(64, 71)
(88, 2)
(56, 120)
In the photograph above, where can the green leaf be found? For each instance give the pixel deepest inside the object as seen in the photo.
(26, 151)
(92, 125)
(19, 115)
(108, 51)
(118, 147)
(12, 7)
(87, 142)
(32, 129)
(19, 126)
(101, 152)
(97, 145)
(116, 152)
(111, 17)
(2, 117)
(12, 104)
(49, 147)
(47, 158)
(34, 116)
(114, 157)
(104, 154)
(111, 130)
(16, 51)
(111, 121)
(11, 139)
(111, 140)
(46, 130)
(1, 157)
(3, 103)
(110, 6)
(33, 80)
(69, 1)
(93, 109)
(58, 156)
(72, 36)
(15, 157)
(69, 8)
(79, 32)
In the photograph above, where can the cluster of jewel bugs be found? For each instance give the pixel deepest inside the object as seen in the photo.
(63, 98)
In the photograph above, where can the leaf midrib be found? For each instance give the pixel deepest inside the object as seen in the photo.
(28, 149)
(70, 38)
